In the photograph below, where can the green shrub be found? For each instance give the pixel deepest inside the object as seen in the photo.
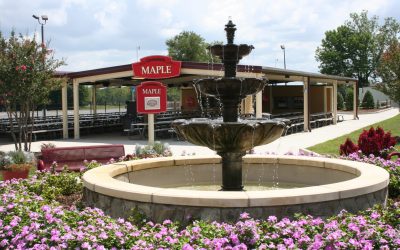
(368, 100)
(50, 186)
(340, 101)
(349, 99)
(158, 149)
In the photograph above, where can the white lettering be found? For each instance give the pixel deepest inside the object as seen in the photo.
(152, 91)
(151, 70)
(145, 70)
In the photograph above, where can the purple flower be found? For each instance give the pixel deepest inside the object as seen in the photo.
(375, 215)
(86, 245)
(244, 216)
(103, 235)
(272, 219)
(187, 247)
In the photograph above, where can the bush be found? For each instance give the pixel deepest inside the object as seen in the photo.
(47, 145)
(375, 142)
(340, 101)
(368, 100)
(348, 147)
(349, 99)
(151, 151)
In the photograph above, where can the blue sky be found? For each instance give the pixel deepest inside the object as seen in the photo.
(100, 33)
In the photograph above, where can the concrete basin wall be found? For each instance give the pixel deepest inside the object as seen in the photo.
(336, 185)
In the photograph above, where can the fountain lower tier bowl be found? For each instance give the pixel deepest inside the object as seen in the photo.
(156, 187)
(229, 136)
(230, 87)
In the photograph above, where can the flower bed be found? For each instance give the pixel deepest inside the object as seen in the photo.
(393, 167)
(30, 217)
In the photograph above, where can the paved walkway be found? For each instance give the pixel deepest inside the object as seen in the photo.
(290, 143)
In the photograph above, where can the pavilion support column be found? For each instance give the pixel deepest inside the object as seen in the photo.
(271, 101)
(334, 104)
(259, 104)
(306, 92)
(64, 103)
(94, 106)
(76, 108)
(326, 99)
(248, 105)
(355, 101)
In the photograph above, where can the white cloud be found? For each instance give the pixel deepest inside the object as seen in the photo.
(104, 33)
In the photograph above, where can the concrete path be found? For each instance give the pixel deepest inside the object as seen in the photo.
(291, 143)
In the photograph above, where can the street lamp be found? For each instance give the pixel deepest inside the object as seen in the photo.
(42, 20)
(284, 56)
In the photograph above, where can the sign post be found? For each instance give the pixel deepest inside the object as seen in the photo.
(151, 96)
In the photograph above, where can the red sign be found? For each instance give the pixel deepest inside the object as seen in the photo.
(151, 98)
(156, 67)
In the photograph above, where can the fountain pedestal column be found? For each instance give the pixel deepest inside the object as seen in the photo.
(231, 170)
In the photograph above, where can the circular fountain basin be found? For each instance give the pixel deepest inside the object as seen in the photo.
(161, 188)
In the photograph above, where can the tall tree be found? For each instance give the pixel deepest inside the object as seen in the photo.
(189, 46)
(355, 48)
(389, 71)
(26, 78)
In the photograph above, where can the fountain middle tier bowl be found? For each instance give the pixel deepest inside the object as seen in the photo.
(229, 136)
(230, 87)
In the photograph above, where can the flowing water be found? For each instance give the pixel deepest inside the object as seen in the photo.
(247, 187)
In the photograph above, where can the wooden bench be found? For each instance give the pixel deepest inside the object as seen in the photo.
(74, 157)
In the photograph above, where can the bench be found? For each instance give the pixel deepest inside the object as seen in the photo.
(389, 157)
(73, 157)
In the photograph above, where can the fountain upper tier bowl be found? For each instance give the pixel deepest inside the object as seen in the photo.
(228, 87)
(231, 51)
(229, 136)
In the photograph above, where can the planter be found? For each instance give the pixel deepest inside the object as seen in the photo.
(8, 174)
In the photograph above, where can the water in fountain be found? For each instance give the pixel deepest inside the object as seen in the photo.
(230, 137)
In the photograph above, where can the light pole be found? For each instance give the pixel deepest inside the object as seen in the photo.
(284, 55)
(42, 20)
(137, 53)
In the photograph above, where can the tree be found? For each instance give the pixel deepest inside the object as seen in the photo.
(355, 48)
(340, 101)
(389, 71)
(189, 46)
(55, 97)
(349, 99)
(26, 77)
(368, 101)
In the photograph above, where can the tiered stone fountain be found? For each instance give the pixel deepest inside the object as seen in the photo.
(230, 138)
(160, 187)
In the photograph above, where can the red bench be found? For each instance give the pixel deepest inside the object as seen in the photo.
(393, 154)
(73, 157)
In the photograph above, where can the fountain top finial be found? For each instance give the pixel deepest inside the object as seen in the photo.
(230, 31)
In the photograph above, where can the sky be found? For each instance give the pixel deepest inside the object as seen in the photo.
(91, 34)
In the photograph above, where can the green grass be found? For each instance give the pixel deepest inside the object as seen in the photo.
(331, 147)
